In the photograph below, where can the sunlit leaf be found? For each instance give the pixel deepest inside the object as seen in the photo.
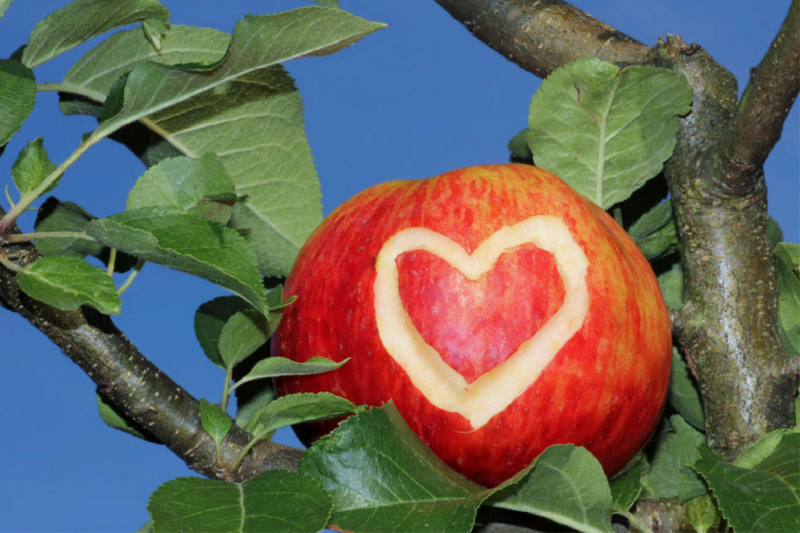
(32, 167)
(566, 485)
(702, 513)
(55, 215)
(298, 408)
(201, 186)
(68, 282)
(605, 131)
(280, 366)
(3, 6)
(258, 134)
(17, 97)
(185, 242)
(81, 20)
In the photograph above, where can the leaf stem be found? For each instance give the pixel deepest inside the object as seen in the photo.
(257, 437)
(112, 260)
(26, 237)
(634, 521)
(8, 197)
(28, 199)
(8, 264)
(70, 88)
(226, 389)
(131, 276)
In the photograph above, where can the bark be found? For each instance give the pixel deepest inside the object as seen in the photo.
(133, 383)
(728, 326)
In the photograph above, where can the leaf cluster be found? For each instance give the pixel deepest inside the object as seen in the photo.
(230, 194)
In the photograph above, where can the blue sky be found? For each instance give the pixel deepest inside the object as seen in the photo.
(416, 99)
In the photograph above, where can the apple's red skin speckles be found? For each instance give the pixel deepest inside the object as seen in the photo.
(603, 390)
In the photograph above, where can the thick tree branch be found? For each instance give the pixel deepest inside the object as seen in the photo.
(137, 386)
(542, 35)
(765, 104)
(728, 327)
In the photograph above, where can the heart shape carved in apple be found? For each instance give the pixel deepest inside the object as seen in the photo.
(493, 391)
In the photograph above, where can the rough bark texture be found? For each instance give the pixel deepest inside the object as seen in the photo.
(129, 380)
(729, 324)
(542, 35)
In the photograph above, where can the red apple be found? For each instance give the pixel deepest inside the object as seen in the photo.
(499, 309)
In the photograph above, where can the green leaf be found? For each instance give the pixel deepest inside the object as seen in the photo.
(328, 3)
(669, 476)
(81, 20)
(250, 399)
(17, 97)
(67, 283)
(774, 232)
(94, 74)
(627, 484)
(244, 333)
(276, 501)
(655, 233)
(274, 170)
(155, 30)
(758, 452)
(671, 283)
(185, 242)
(114, 417)
(567, 485)
(683, 394)
(605, 131)
(201, 186)
(215, 421)
(280, 366)
(520, 151)
(3, 6)
(55, 215)
(408, 488)
(702, 513)
(114, 100)
(765, 498)
(789, 296)
(32, 167)
(258, 134)
(298, 408)
(146, 528)
(209, 320)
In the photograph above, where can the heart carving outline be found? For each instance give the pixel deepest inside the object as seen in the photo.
(493, 391)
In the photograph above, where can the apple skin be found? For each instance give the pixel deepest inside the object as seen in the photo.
(604, 389)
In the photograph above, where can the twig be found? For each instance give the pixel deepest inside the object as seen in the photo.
(147, 395)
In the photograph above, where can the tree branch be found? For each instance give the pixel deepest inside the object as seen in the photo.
(765, 104)
(543, 35)
(147, 395)
(728, 327)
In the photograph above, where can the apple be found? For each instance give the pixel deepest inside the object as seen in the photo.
(499, 309)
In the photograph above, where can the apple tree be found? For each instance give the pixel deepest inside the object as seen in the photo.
(654, 134)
